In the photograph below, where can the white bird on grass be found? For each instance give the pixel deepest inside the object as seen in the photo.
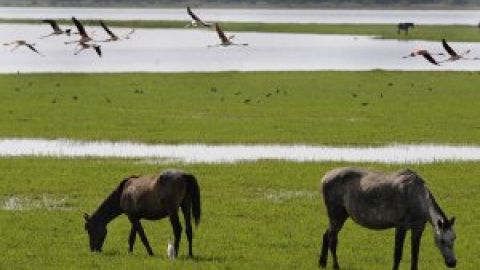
(171, 250)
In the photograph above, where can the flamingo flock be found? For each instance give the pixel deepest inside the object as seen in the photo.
(84, 42)
(452, 54)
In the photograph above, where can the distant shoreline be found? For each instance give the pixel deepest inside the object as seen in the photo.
(255, 6)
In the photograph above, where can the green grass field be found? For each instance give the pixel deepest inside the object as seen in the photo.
(466, 33)
(258, 215)
(261, 215)
(337, 108)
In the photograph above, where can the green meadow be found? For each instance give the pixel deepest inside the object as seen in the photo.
(257, 215)
(335, 108)
(466, 33)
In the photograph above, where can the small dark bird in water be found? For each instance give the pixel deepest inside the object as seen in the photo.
(364, 103)
(246, 101)
(75, 97)
(354, 95)
(268, 95)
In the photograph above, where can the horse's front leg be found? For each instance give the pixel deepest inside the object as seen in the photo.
(177, 229)
(138, 227)
(400, 233)
(416, 237)
(131, 238)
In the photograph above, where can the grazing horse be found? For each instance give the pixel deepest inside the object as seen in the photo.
(404, 27)
(380, 201)
(152, 198)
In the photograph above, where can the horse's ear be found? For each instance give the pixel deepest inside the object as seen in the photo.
(452, 221)
(86, 216)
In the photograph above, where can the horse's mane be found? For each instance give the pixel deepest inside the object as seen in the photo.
(110, 207)
(435, 204)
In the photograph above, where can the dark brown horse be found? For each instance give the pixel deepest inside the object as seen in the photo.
(404, 27)
(380, 201)
(152, 198)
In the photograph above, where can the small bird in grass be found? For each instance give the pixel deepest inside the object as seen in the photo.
(19, 43)
(171, 254)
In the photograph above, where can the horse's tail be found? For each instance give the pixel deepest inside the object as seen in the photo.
(194, 191)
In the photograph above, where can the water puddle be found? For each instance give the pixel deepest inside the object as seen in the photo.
(40, 202)
(286, 195)
(201, 153)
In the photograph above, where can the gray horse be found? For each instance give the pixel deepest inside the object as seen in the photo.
(380, 201)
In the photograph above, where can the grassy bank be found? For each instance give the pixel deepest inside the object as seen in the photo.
(387, 31)
(264, 215)
(336, 108)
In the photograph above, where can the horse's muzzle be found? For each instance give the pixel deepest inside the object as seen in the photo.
(451, 264)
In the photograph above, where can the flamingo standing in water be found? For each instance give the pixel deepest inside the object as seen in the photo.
(84, 37)
(454, 56)
(19, 43)
(425, 54)
(225, 41)
(112, 35)
(196, 21)
(56, 29)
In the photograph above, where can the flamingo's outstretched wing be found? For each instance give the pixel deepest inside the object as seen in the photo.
(430, 59)
(54, 24)
(33, 48)
(220, 33)
(448, 48)
(97, 49)
(109, 32)
(195, 17)
(81, 29)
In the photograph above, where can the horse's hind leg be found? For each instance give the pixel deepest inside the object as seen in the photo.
(322, 262)
(138, 227)
(337, 217)
(177, 229)
(186, 209)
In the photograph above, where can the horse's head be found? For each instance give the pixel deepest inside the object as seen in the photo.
(96, 233)
(445, 240)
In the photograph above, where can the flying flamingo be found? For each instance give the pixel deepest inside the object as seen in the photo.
(56, 29)
(425, 54)
(83, 46)
(454, 56)
(225, 41)
(112, 35)
(84, 37)
(19, 43)
(196, 21)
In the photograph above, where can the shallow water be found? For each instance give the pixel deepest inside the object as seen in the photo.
(185, 50)
(40, 202)
(442, 17)
(200, 153)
